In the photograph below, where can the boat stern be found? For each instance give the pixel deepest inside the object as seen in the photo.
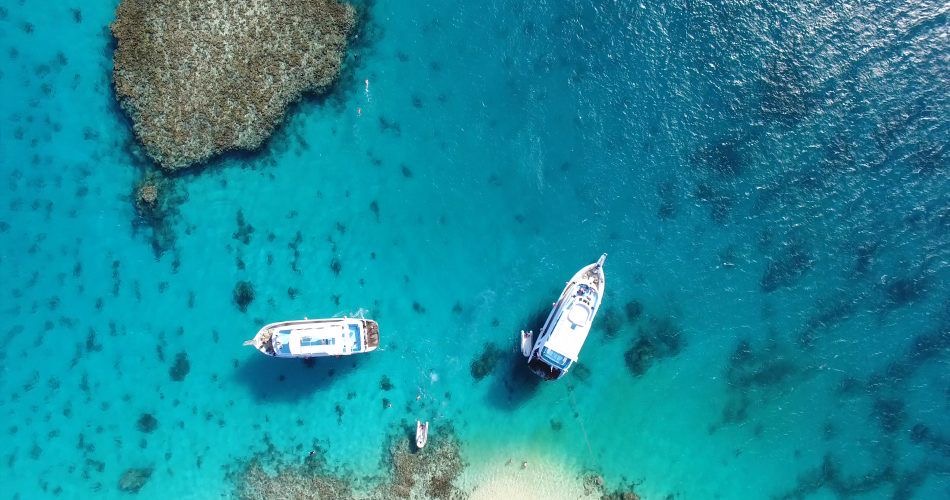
(371, 334)
(545, 370)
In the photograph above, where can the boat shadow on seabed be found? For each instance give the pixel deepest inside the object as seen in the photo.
(272, 379)
(514, 384)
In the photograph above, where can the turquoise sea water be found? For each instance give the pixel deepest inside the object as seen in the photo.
(770, 182)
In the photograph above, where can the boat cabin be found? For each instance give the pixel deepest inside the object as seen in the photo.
(317, 338)
(558, 349)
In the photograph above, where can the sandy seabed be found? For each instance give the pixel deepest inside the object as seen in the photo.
(544, 477)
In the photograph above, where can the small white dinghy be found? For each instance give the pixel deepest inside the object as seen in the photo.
(526, 337)
(313, 338)
(422, 433)
(560, 340)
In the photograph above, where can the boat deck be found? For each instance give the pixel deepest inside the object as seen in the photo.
(317, 339)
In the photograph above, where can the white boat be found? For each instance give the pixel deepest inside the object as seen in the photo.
(312, 338)
(526, 337)
(560, 340)
(422, 434)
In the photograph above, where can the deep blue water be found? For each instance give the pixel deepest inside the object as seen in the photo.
(770, 182)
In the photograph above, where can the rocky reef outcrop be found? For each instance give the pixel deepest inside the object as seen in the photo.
(430, 473)
(200, 77)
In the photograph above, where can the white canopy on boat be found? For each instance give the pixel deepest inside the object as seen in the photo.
(570, 330)
(326, 339)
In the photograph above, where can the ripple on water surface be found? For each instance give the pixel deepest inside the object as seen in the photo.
(768, 180)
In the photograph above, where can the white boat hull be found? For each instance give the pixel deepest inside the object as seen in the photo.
(526, 342)
(558, 343)
(313, 338)
(422, 434)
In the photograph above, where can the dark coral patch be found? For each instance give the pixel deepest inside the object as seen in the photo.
(612, 323)
(902, 291)
(667, 207)
(660, 338)
(786, 268)
(721, 157)
(179, 370)
(633, 310)
(374, 207)
(748, 369)
(244, 230)
(336, 266)
(889, 414)
(243, 294)
(485, 363)
(147, 423)
(392, 127)
(581, 372)
(719, 201)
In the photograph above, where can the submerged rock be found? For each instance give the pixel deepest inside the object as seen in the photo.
(133, 480)
(146, 196)
(199, 77)
(149, 196)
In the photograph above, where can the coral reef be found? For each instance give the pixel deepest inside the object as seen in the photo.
(427, 473)
(307, 481)
(200, 77)
(594, 485)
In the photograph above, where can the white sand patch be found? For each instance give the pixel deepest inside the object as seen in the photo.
(543, 477)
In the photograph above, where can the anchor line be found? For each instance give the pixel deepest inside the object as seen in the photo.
(590, 452)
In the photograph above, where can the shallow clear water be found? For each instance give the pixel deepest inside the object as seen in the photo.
(769, 181)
